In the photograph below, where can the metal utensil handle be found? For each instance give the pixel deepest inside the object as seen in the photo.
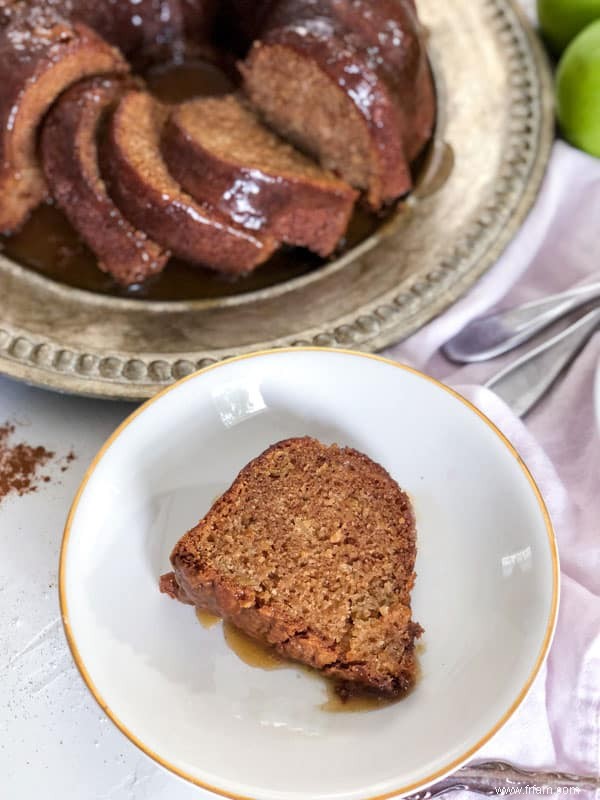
(500, 778)
(498, 333)
(525, 381)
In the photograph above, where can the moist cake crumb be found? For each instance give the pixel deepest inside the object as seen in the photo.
(312, 551)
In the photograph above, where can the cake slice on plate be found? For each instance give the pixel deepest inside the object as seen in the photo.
(311, 551)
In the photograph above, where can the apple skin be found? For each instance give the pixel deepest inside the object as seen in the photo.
(578, 90)
(561, 20)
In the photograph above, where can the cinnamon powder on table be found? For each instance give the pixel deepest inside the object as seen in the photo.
(20, 465)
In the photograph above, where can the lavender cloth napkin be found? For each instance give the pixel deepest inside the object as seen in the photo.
(558, 725)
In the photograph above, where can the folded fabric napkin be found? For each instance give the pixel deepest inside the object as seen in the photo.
(558, 725)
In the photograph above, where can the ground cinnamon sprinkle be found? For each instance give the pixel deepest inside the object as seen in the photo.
(20, 464)
(69, 458)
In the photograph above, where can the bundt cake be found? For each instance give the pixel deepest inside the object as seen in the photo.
(144, 30)
(70, 159)
(143, 188)
(42, 55)
(218, 150)
(322, 75)
(312, 551)
(346, 81)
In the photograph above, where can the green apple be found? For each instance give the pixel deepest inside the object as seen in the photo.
(561, 20)
(578, 90)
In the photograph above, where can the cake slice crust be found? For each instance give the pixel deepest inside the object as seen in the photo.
(70, 158)
(42, 56)
(311, 551)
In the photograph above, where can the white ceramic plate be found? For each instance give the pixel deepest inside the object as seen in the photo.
(486, 591)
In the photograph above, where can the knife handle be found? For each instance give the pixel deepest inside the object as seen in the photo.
(522, 384)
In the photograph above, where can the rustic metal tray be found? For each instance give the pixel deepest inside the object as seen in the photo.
(493, 139)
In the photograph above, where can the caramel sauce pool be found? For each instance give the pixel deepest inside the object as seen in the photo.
(48, 244)
(250, 651)
(260, 656)
(356, 703)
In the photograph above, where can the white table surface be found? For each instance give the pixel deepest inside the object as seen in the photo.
(55, 742)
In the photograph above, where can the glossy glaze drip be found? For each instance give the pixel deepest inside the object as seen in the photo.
(239, 200)
(250, 651)
(48, 245)
(206, 619)
(261, 656)
(175, 83)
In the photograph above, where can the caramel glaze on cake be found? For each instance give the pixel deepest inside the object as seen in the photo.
(42, 55)
(311, 551)
(69, 148)
(348, 82)
(147, 194)
(144, 30)
(218, 150)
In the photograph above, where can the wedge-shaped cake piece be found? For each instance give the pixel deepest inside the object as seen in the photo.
(42, 55)
(151, 198)
(69, 151)
(312, 551)
(222, 154)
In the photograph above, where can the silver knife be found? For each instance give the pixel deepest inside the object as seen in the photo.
(524, 382)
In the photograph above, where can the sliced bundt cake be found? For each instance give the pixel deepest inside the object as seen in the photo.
(346, 81)
(311, 551)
